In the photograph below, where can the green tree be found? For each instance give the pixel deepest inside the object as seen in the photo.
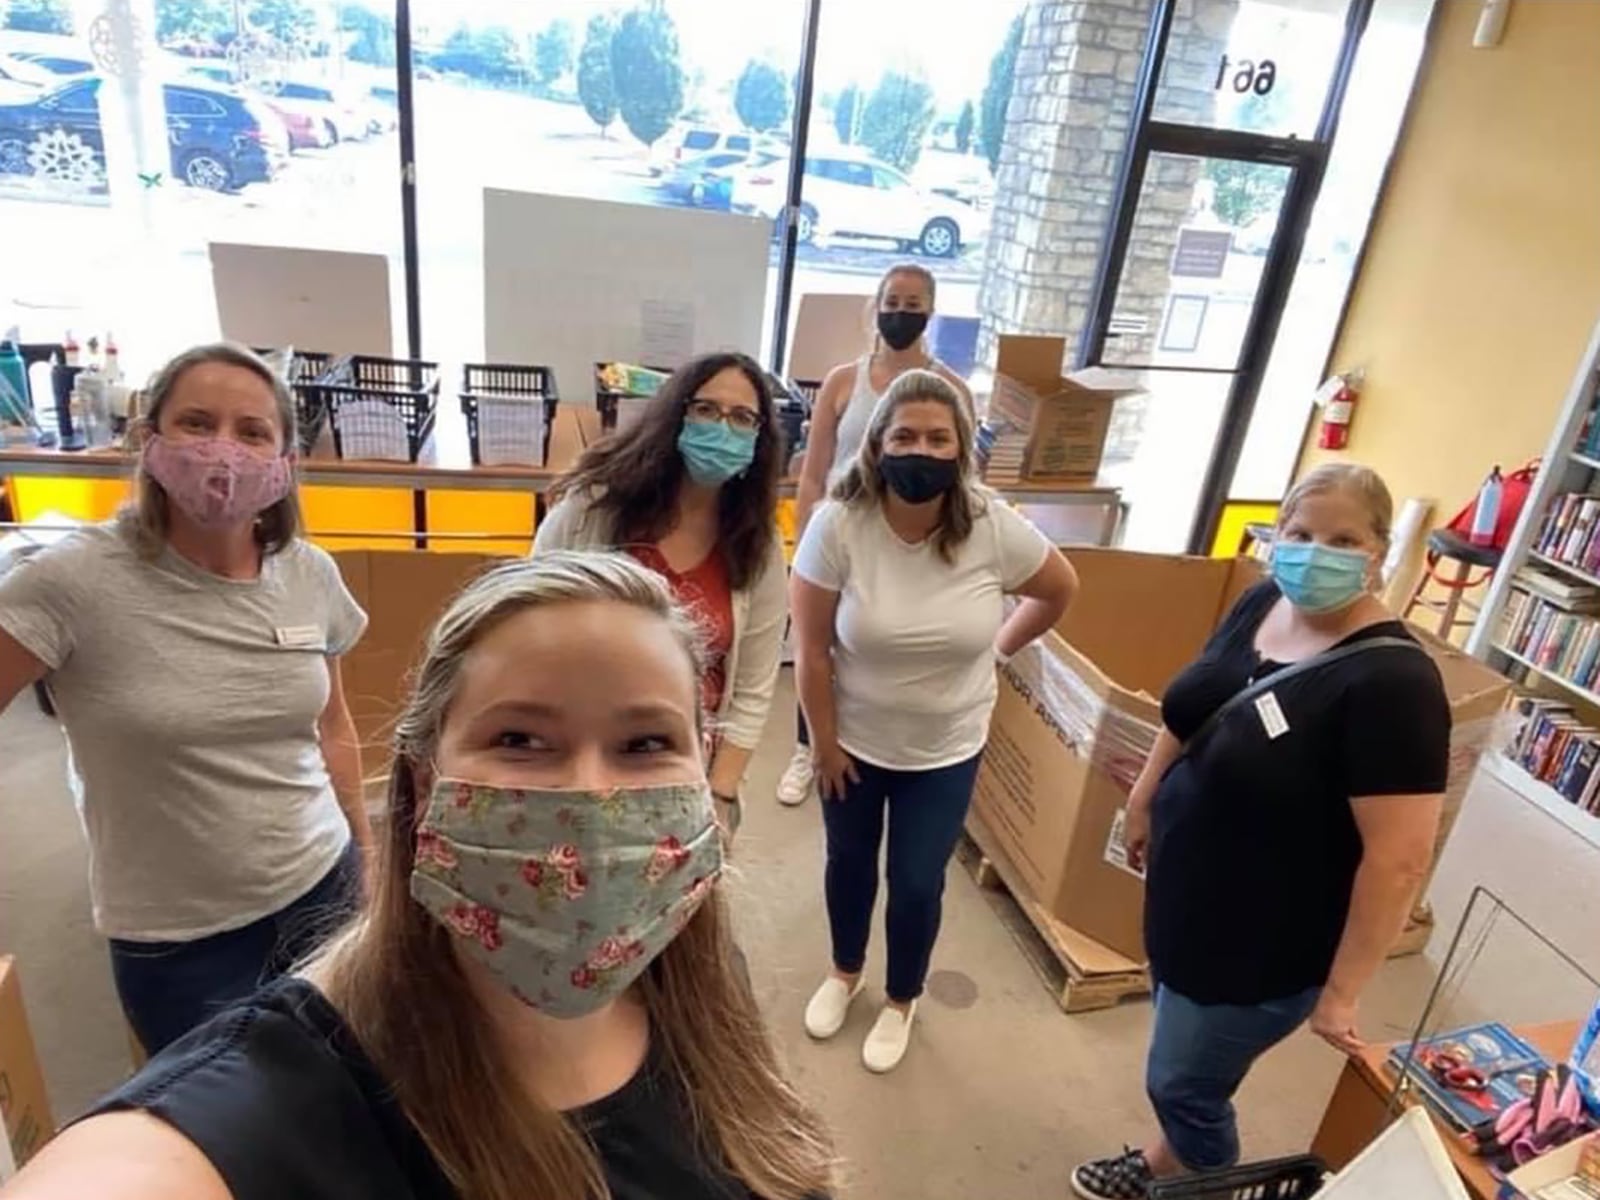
(193, 21)
(964, 127)
(646, 69)
(37, 16)
(844, 114)
(761, 97)
(896, 118)
(501, 55)
(1244, 191)
(374, 34)
(286, 20)
(552, 51)
(997, 94)
(596, 87)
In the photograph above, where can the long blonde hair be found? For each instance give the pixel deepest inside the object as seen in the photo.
(395, 978)
(862, 483)
(1365, 484)
(275, 528)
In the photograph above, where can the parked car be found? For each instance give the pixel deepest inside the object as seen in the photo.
(56, 64)
(849, 196)
(220, 140)
(343, 114)
(17, 71)
(304, 130)
(694, 141)
(705, 179)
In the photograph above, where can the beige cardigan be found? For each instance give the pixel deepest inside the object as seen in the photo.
(760, 611)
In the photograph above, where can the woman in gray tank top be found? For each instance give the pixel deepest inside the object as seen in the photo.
(839, 419)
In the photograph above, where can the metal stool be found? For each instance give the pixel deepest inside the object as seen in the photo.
(1447, 544)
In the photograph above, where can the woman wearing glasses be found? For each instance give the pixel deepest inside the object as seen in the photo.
(690, 489)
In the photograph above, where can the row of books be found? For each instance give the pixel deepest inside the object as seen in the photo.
(1571, 531)
(1589, 435)
(1558, 749)
(1552, 637)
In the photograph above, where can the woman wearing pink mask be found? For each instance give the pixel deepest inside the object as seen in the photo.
(192, 646)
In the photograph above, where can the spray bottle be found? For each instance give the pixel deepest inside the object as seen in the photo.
(1487, 513)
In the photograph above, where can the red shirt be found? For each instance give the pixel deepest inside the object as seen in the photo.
(703, 590)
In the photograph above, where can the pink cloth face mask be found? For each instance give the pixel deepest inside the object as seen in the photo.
(216, 481)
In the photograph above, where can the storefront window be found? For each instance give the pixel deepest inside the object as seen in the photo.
(130, 143)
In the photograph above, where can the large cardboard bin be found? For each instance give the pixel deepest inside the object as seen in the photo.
(403, 593)
(1078, 712)
(23, 1105)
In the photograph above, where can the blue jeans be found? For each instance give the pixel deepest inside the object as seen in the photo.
(925, 811)
(169, 988)
(1199, 1055)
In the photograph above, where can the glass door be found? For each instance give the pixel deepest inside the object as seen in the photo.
(1218, 181)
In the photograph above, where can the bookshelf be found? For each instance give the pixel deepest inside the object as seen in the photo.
(1540, 622)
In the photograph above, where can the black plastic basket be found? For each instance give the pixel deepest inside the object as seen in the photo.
(507, 381)
(409, 386)
(804, 390)
(1296, 1178)
(311, 412)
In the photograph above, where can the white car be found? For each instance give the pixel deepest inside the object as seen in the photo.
(343, 112)
(849, 196)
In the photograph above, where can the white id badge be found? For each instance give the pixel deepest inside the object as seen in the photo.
(1272, 719)
(299, 637)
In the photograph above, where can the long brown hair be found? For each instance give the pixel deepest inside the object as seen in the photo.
(863, 484)
(635, 474)
(395, 977)
(275, 528)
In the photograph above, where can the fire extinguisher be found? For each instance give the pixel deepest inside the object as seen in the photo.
(1338, 399)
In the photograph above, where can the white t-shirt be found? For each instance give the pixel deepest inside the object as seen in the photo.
(913, 653)
(191, 703)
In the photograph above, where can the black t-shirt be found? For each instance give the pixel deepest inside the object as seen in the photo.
(1253, 846)
(281, 1099)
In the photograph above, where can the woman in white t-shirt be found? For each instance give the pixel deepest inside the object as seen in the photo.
(902, 308)
(898, 601)
(192, 647)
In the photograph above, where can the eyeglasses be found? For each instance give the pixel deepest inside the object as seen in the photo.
(704, 412)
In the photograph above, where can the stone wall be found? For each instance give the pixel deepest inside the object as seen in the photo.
(1066, 129)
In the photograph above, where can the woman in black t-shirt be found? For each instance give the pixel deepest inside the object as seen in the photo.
(540, 1001)
(1284, 845)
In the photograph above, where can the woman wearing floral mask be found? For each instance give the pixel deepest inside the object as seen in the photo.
(540, 1000)
(899, 597)
(902, 309)
(690, 489)
(192, 646)
(1287, 835)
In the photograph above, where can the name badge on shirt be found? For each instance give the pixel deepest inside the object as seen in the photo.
(1272, 719)
(299, 637)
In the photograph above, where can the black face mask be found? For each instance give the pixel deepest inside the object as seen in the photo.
(899, 329)
(918, 478)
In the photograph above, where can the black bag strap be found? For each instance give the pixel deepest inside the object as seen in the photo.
(1267, 682)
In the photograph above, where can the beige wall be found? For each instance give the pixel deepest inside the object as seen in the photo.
(1482, 278)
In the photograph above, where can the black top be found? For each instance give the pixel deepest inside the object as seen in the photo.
(281, 1099)
(1254, 846)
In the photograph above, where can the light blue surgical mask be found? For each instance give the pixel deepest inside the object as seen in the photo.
(714, 452)
(1318, 578)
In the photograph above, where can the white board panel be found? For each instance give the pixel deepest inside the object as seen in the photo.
(570, 282)
(328, 300)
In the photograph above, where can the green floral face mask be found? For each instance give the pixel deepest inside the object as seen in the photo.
(567, 896)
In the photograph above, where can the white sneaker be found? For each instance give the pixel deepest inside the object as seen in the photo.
(886, 1044)
(829, 1006)
(797, 779)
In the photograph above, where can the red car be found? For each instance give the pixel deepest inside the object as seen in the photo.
(304, 129)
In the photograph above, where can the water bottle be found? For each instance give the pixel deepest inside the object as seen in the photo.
(1487, 514)
(15, 406)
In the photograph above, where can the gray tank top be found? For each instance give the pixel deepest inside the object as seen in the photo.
(854, 420)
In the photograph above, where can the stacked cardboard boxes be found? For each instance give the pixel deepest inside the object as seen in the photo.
(1078, 712)
(1043, 426)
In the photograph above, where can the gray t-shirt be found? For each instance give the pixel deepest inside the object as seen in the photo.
(191, 704)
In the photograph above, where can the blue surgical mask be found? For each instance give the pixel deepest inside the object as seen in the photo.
(714, 452)
(1318, 578)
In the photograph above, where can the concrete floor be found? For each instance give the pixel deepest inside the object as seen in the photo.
(1001, 1093)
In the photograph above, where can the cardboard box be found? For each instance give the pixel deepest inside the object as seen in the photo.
(23, 1104)
(1570, 1172)
(830, 328)
(1048, 426)
(403, 592)
(1078, 712)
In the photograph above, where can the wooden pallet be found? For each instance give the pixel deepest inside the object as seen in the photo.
(1080, 972)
